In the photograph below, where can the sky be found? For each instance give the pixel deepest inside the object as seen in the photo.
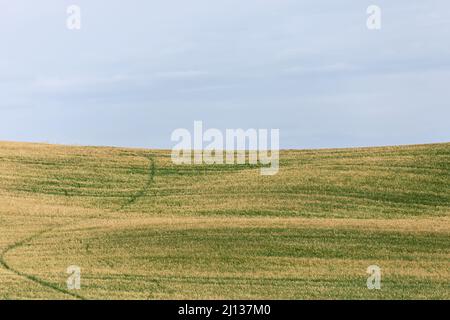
(139, 69)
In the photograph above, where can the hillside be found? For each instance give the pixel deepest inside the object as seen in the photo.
(140, 227)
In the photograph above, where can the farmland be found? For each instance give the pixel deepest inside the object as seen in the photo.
(141, 227)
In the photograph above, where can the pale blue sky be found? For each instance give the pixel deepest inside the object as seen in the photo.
(139, 69)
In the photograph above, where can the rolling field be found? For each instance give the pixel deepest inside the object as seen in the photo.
(140, 227)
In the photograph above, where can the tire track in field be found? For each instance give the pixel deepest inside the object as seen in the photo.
(32, 278)
(145, 188)
(47, 284)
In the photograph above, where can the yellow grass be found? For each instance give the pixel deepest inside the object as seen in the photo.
(140, 227)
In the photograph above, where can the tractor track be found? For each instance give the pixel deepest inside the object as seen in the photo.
(32, 278)
(47, 284)
(145, 188)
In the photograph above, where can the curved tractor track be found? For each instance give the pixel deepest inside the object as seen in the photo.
(145, 188)
(47, 284)
(32, 278)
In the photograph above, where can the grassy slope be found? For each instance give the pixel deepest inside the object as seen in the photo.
(140, 227)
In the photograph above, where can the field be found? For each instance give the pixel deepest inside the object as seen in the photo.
(140, 227)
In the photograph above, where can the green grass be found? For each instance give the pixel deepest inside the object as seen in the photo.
(141, 227)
